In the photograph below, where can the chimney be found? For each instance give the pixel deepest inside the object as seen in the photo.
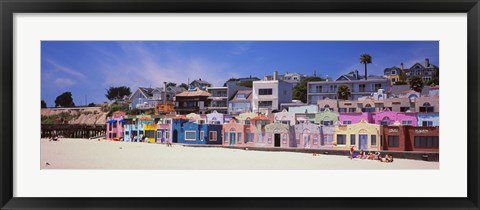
(401, 66)
(199, 79)
(356, 74)
(275, 75)
(427, 62)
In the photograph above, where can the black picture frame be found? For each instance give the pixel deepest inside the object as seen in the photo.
(10, 7)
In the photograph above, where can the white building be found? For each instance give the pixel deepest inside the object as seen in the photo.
(269, 94)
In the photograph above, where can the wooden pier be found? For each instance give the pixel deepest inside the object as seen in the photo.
(72, 130)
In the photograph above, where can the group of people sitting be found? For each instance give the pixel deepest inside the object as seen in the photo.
(362, 155)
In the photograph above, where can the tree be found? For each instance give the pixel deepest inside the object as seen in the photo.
(44, 104)
(343, 92)
(400, 82)
(300, 90)
(171, 84)
(365, 59)
(64, 100)
(246, 84)
(117, 93)
(184, 86)
(434, 81)
(91, 105)
(416, 83)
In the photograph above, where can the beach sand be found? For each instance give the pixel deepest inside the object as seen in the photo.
(106, 154)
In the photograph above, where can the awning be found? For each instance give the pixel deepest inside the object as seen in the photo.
(122, 121)
(111, 121)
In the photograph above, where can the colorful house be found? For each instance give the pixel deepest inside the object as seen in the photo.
(245, 118)
(257, 126)
(194, 133)
(395, 137)
(362, 135)
(327, 136)
(200, 119)
(307, 135)
(164, 130)
(388, 117)
(284, 117)
(354, 117)
(115, 126)
(177, 127)
(278, 135)
(331, 104)
(428, 119)
(149, 128)
(237, 134)
(139, 126)
(326, 117)
(215, 118)
(425, 139)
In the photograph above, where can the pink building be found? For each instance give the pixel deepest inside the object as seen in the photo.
(354, 117)
(115, 126)
(387, 117)
(237, 134)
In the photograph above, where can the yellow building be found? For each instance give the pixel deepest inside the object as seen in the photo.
(150, 130)
(364, 136)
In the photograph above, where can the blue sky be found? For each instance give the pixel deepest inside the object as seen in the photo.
(87, 68)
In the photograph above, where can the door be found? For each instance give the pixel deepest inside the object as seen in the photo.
(232, 138)
(277, 140)
(175, 136)
(306, 140)
(362, 142)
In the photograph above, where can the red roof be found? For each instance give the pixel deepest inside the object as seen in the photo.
(145, 118)
(180, 117)
(261, 117)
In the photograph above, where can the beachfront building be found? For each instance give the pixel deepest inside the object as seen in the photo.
(268, 95)
(354, 117)
(363, 135)
(246, 118)
(428, 119)
(426, 104)
(348, 106)
(327, 136)
(215, 118)
(114, 126)
(278, 135)
(218, 100)
(308, 135)
(387, 117)
(396, 138)
(192, 101)
(240, 102)
(164, 130)
(257, 127)
(425, 139)
(399, 104)
(370, 105)
(194, 133)
(285, 117)
(426, 71)
(327, 118)
(238, 134)
(139, 126)
(359, 87)
(149, 98)
(324, 104)
(177, 128)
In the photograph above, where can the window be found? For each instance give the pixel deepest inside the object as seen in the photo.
(190, 135)
(247, 121)
(265, 104)
(426, 142)
(239, 137)
(347, 122)
(342, 110)
(265, 91)
(352, 139)
(315, 139)
(341, 139)
(394, 72)
(127, 132)
(352, 109)
(241, 96)
(378, 86)
(284, 138)
(225, 137)
(285, 122)
(110, 127)
(404, 109)
(374, 140)
(212, 135)
(393, 141)
(406, 122)
(201, 122)
(318, 89)
(297, 139)
(202, 135)
(361, 88)
(115, 125)
(427, 123)
(167, 134)
(326, 122)
(426, 107)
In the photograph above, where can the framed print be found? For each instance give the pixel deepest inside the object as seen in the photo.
(239, 105)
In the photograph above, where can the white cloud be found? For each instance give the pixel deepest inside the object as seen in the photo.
(61, 82)
(65, 69)
(241, 48)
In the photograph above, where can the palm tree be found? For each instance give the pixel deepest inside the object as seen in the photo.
(343, 92)
(365, 59)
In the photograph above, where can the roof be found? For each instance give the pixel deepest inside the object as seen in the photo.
(177, 89)
(119, 112)
(146, 91)
(196, 92)
(248, 94)
(180, 117)
(261, 117)
(145, 118)
(399, 89)
(392, 68)
(200, 81)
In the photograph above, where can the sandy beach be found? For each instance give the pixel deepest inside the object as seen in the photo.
(105, 154)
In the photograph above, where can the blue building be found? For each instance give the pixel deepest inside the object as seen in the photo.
(186, 132)
(428, 119)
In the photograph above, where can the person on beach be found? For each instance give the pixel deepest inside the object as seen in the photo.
(352, 149)
(377, 156)
(361, 154)
(371, 156)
